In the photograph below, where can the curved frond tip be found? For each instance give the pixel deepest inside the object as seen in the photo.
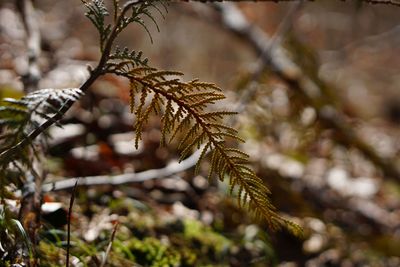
(184, 107)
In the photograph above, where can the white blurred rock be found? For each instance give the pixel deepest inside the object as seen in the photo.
(284, 165)
(339, 180)
(49, 207)
(314, 244)
(86, 152)
(124, 144)
(181, 211)
(67, 131)
(364, 187)
(316, 225)
(308, 116)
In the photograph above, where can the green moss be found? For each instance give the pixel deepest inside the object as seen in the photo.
(206, 237)
(146, 239)
(51, 255)
(151, 252)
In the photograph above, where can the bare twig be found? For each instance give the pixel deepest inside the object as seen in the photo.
(29, 18)
(122, 179)
(71, 204)
(385, 2)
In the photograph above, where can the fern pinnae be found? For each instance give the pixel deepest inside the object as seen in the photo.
(148, 14)
(238, 159)
(125, 60)
(217, 115)
(240, 179)
(169, 85)
(182, 124)
(142, 118)
(161, 75)
(221, 127)
(157, 104)
(141, 22)
(204, 127)
(178, 115)
(221, 167)
(22, 103)
(96, 13)
(166, 121)
(159, 10)
(198, 95)
(12, 110)
(139, 118)
(201, 104)
(132, 101)
(133, 74)
(195, 143)
(122, 66)
(188, 135)
(201, 86)
(142, 102)
(203, 153)
(223, 135)
(214, 156)
(237, 151)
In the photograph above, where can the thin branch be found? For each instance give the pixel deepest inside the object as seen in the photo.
(385, 2)
(104, 261)
(29, 18)
(382, 2)
(169, 170)
(71, 204)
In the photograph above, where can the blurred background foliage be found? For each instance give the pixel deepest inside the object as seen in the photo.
(348, 206)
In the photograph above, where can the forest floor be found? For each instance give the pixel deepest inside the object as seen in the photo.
(348, 207)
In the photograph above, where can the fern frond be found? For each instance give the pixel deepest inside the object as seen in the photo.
(121, 57)
(96, 13)
(185, 105)
(139, 10)
(51, 98)
(19, 116)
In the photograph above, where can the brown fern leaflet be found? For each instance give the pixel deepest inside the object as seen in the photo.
(183, 107)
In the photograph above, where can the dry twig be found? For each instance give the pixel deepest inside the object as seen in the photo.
(104, 260)
(71, 204)
(32, 76)
(169, 170)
